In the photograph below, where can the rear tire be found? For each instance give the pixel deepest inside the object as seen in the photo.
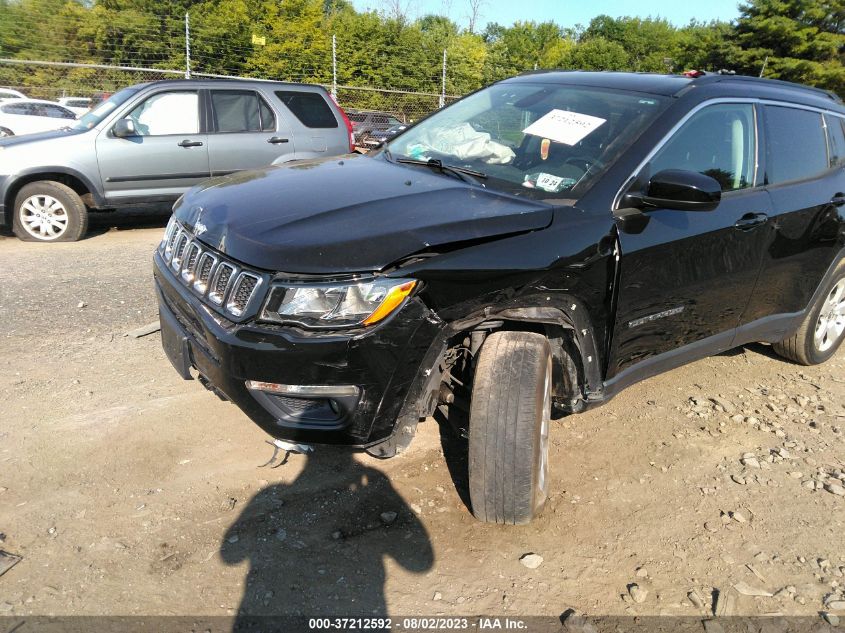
(509, 428)
(823, 329)
(48, 211)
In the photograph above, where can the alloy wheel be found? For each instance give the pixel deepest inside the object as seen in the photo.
(43, 217)
(831, 322)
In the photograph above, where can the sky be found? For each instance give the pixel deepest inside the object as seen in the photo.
(566, 13)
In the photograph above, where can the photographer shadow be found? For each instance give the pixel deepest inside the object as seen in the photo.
(316, 546)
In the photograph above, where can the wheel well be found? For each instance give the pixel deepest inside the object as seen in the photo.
(457, 365)
(66, 179)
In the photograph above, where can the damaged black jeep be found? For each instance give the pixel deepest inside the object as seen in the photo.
(530, 250)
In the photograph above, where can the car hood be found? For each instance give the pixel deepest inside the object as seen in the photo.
(11, 141)
(348, 214)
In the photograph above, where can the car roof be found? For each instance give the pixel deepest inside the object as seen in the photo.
(713, 84)
(28, 100)
(211, 82)
(636, 82)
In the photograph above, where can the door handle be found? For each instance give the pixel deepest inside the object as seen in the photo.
(275, 140)
(838, 200)
(187, 143)
(750, 221)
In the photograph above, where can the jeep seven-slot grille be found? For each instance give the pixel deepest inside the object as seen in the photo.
(207, 262)
(241, 292)
(179, 250)
(191, 254)
(222, 283)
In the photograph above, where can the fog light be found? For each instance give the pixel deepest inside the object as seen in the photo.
(335, 391)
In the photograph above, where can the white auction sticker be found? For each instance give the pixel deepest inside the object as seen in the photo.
(564, 127)
(547, 182)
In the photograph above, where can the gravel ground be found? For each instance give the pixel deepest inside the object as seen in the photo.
(717, 487)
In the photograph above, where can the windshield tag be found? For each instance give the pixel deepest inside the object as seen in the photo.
(547, 182)
(564, 127)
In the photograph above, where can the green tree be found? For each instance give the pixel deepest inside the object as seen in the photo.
(650, 44)
(599, 53)
(708, 46)
(796, 40)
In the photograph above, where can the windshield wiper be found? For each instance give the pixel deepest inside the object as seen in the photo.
(467, 175)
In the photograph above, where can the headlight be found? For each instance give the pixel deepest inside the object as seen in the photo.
(336, 305)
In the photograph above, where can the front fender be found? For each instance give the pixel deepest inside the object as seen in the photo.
(12, 183)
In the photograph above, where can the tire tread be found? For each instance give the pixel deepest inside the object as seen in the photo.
(502, 426)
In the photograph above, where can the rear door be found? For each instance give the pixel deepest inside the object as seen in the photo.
(316, 122)
(23, 118)
(168, 155)
(686, 276)
(244, 132)
(805, 178)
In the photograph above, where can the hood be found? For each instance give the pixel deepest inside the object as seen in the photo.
(11, 141)
(347, 214)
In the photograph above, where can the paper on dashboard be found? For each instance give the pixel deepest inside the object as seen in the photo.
(564, 127)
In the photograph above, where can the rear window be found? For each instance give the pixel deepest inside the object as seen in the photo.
(309, 107)
(241, 111)
(836, 134)
(18, 108)
(797, 148)
(57, 112)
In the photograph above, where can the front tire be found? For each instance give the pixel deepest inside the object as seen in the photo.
(509, 424)
(821, 332)
(48, 211)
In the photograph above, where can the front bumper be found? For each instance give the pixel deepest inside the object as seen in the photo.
(387, 364)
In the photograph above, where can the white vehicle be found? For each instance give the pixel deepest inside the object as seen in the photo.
(8, 93)
(79, 105)
(27, 116)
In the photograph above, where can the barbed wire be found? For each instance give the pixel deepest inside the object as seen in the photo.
(88, 57)
(98, 80)
(159, 42)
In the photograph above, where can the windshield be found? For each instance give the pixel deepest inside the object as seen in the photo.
(533, 139)
(92, 118)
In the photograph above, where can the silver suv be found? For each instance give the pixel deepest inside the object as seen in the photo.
(151, 142)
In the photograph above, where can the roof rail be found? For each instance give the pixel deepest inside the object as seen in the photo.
(725, 76)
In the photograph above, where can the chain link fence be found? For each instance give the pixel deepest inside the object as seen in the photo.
(93, 51)
(53, 80)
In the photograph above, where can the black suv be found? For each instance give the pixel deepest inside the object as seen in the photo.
(531, 250)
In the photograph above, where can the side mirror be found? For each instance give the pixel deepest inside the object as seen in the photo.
(678, 189)
(124, 128)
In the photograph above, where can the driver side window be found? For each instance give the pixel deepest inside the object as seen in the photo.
(718, 141)
(167, 113)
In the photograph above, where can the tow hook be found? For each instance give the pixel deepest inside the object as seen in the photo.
(288, 448)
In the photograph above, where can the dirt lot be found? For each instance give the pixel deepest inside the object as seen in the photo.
(129, 491)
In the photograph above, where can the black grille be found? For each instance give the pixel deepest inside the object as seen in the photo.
(192, 257)
(204, 272)
(172, 240)
(298, 405)
(221, 281)
(241, 294)
(179, 250)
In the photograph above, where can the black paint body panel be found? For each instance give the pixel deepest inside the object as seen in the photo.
(639, 292)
